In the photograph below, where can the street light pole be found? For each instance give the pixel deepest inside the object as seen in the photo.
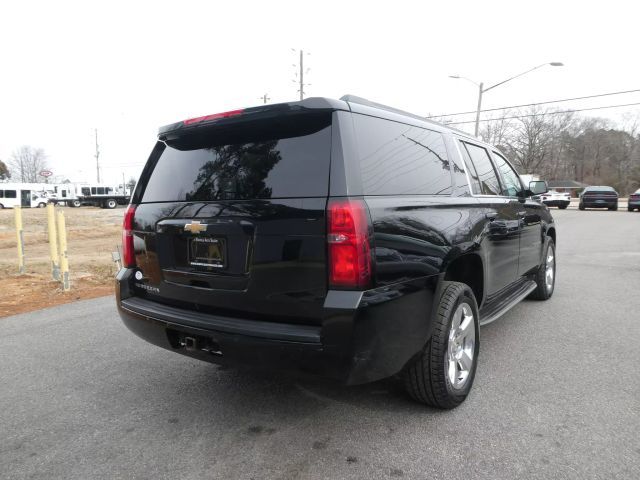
(482, 90)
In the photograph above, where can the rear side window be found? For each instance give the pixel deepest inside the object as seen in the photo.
(397, 159)
(10, 194)
(485, 173)
(276, 159)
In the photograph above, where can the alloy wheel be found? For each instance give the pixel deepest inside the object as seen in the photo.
(550, 269)
(461, 346)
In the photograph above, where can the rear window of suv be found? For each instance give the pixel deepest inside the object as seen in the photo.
(283, 158)
(400, 159)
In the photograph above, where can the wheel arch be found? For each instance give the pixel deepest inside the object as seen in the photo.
(468, 269)
(551, 232)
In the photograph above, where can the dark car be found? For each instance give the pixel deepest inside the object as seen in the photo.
(331, 237)
(599, 197)
(634, 201)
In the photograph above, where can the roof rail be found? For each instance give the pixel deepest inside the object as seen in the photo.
(369, 103)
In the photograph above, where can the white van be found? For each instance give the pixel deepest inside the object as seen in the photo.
(21, 195)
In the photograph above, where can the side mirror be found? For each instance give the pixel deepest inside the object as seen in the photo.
(538, 187)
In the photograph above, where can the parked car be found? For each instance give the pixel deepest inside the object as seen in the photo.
(332, 237)
(634, 201)
(599, 197)
(555, 199)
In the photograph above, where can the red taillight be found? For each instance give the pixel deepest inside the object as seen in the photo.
(128, 253)
(215, 116)
(348, 244)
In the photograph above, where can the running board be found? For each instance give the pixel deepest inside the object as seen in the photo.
(515, 296)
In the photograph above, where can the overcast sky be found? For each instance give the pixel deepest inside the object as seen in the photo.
(128, 67)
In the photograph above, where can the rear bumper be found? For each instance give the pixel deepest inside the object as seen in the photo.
(362, 338)
(600, 203)
(556, 203)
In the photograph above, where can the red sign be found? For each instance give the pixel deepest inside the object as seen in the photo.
(45, 173)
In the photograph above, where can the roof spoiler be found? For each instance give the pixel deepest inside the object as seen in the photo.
(261, 112)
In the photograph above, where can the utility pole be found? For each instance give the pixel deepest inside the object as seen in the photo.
(97, 158)
(480, 92)
(300, 80)
(264, 98)
(301, 75)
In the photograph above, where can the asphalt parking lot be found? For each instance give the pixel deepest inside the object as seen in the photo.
(557, 394)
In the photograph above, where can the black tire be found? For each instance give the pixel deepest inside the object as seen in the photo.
(1, 206)
(581, 206)
(542, 291)
(562, 207)
(630, 209)
(75, 203)
(111, 204)
(42, 205)
(426, 378)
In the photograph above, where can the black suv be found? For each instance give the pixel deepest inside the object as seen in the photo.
(334, 237)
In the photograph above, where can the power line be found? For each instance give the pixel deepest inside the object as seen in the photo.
(123, 165)
(546, 113)
(538, 103)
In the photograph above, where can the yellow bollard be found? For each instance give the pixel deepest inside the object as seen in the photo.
(20, 239)
(53, 242)
(62, 244)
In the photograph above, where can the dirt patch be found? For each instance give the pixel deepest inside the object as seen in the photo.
(92, 234)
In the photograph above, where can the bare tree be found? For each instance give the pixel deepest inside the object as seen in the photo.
(27, 162)
(496, 132)
(131, 184)
(5, 174)
(530, 142)
(560, 146)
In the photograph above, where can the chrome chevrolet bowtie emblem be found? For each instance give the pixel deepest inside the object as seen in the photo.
(195, 227)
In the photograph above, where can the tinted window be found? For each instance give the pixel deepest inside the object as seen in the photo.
(100, 190)
(398, 159)
(109, 190)
(510, 179)
(471, 170)
(10, 194)
(288, 158)
(93, 190)
(489, 184)
(1, 193)
(86, 191)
